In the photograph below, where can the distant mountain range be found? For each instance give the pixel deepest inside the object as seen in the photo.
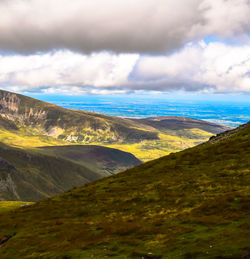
(190, 204)
(27, 122)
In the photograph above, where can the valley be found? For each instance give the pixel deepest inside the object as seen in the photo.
(190, 204)
(124, 129)
(94, 198)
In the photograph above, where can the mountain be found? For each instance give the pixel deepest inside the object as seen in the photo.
(69, 125)
(190, 204)
(176, 123)
(97, 158)
(27, 122)
(29, 175)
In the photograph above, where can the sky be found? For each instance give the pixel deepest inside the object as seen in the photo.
(119, 47)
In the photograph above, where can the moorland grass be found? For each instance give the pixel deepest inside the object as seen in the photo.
(11, 205)
(191, 204)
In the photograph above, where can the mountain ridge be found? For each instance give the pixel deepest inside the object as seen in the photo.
(27, 122)
(30, 175)
(97, 158)
(29, 111)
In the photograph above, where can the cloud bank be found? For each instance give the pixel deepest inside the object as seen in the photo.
(127, 26)
(214, 67)
(120, 46)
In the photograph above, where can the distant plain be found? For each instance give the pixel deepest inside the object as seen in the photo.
(231, 112)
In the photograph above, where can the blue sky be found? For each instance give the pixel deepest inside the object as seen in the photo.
(59, 47)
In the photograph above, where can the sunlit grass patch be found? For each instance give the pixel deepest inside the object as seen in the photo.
(11, 205)
(27, 138)
(147, 150)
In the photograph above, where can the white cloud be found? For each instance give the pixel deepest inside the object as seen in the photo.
(226, 17)
(216, 66)
(144, 26)
(213, 67)
(65, 69)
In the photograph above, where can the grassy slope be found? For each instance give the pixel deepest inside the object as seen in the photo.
(176, 123)
(33, 123)
(11, 205)
(147, 150)
(191, 204)
(27, 138)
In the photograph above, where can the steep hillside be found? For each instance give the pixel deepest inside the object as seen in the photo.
(27, 122)
(97, 158)
(31, 175)
(191, 204)
(228, 134)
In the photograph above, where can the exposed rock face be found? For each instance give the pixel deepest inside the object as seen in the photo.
(12, 108)
(7, 185)
(55, 131)
(9, 103)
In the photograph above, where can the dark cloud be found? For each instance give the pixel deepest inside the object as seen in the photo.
(143, 26)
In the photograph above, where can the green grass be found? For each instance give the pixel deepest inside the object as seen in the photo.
(28, 137)
(191, 204)
(11, 205)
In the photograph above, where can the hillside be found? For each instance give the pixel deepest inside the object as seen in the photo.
(178, 124)
(29, 175)
(191, 204)
(27, 122)
(69, 125)
(97, 158)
